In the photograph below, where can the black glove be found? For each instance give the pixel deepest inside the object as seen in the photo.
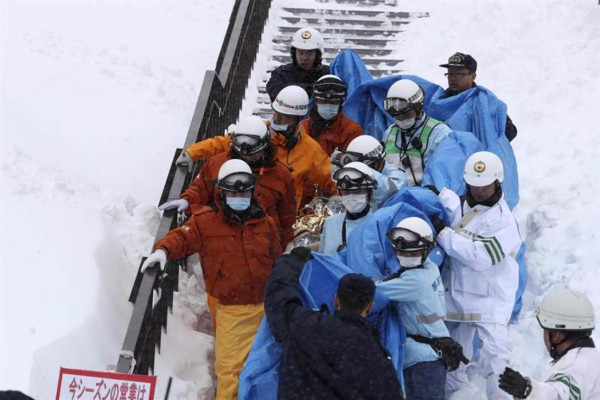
(438, 223)
(514, 383)
(433, 189)
(302, 253)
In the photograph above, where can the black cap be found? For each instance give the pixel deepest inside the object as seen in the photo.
(461, 60)
(357, 286)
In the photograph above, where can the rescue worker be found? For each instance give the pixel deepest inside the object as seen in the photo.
(325, 356)
(355, 184)
(274, 190)
(306, 67)
(483, 276)
(236, 243)
(413, 138)
(326, 122)
(417, 290)
(567, 318)
(370, 151)
(462, 71)
(308, 163)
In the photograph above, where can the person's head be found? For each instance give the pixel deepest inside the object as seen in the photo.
(355, 183)
(329, 93)
(483, 175)
(566, 316)
(235, 183)
(412, 239)
(404, 102)
(461, 73)
(307, 48)
(250, 140)
(289, 108)
(366, 149)
(355, 294)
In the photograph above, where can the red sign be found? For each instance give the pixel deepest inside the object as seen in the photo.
(76, 384)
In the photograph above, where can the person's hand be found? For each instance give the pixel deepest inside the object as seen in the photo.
(438, 223)
(158, 256)
(186, 160)
(180, 204)
(515, 384)
(302, 253)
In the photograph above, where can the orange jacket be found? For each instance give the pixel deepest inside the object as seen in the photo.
(274, 191)
(236, 257)
(337, 134)
(307, 161)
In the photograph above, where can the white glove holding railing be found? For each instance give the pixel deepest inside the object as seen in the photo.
(158, 256)
(180, 204)
(186, 160)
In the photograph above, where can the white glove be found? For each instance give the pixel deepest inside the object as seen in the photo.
(186, 160)
(181, 205)
(158, 256)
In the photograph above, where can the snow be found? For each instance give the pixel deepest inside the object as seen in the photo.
(97, 95)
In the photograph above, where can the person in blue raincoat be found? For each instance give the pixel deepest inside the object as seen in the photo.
(328, 357)
(413, 137)
(355, 184)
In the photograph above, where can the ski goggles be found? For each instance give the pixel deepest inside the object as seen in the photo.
(349, 156)
(350, 178)
(237, 182)
(405, 240)
(248, 144)
(395, 105)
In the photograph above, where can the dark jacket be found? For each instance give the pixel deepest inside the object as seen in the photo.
(290, 74)
(324, 356)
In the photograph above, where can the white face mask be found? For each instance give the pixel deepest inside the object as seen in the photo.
(355, 203)
(406, 124)
(328, 111)
(278, 127)
(409, 262)
(238, 203)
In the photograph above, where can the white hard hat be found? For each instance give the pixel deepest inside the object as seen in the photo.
(404, 95)
(483, 168)
(368, 146)
(412, 234)
(250, 135)
(291, 100)
(308, 39)
(355, 175)
(566, 309)
(235, 176)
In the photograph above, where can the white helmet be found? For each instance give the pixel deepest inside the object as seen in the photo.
(483, 168)
(368, 147)
(235, 176)
(404, 95)
(355, 175)
(566, 309)
(250, 135)
(308, 39)
(291, 100)
(411, 234)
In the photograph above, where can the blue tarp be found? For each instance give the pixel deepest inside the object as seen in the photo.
(350, 68)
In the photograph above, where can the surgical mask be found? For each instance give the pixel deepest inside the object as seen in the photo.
(409, 262)
(328, 111)
(238, 203)
(406, 124)
(354, 203)
(278, 127)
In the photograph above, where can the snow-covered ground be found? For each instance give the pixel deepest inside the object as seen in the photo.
(97, 95)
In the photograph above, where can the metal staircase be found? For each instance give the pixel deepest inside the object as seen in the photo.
(372, 28)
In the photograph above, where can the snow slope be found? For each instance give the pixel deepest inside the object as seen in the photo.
(97, 95)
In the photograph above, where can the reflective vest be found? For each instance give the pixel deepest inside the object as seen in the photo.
(408, 156)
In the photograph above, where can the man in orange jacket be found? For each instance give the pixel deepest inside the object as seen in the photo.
(274, 191)
(309, 164)
(237, 244)
(326, 122)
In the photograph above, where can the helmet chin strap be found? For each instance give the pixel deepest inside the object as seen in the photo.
(553, 351)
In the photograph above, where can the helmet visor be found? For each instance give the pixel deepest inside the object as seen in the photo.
(237, 182)
(350, 178)
(247, 144)
(405, 240)
(395, 106)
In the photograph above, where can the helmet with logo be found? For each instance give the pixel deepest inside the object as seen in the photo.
(483, 168)
(404, 95)
(330, 87)
(291, 100)
(410, 235)
(566, 309)
(235, 176)
(307, 39)
(354, 176)
(251, 136)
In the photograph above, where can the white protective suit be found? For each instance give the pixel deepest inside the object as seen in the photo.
(481, 282)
